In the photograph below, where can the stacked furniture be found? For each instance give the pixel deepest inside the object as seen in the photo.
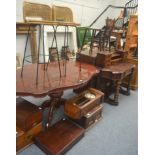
(28, 123)
(131, 47)
(52, 79)
(85, 108)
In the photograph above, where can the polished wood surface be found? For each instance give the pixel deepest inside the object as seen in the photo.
(50, 80)
(118, 71)
(59, 138)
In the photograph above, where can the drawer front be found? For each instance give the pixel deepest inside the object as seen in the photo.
(89, 107)
(20, 142)
(93, 116)
(89, 122)
(33, 120)
(29, 136)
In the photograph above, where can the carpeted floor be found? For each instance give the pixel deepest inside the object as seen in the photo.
(115, 134)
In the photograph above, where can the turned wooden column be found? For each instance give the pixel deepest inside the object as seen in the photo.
(116, 95)
(129, 82)
(55, 99)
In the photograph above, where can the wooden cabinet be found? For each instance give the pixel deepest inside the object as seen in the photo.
(131, 47)
(132, 36)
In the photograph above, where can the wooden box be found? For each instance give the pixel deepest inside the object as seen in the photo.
(59, 138)
(20, 139)
(91, 117)
(28, 115)
(24, 139)
(79, 105)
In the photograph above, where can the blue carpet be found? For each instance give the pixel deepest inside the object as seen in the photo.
(115, 134)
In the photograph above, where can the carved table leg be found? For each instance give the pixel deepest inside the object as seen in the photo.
(55, 99)
(129, 82)
(127, 91)
(116, 95)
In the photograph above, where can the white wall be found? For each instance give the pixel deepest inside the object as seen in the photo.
(84, 12)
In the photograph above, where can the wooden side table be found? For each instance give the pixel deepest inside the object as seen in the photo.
(117, 73)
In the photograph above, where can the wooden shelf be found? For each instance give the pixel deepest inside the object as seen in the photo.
(56, 23)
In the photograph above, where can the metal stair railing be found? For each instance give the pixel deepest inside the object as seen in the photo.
(130, 7)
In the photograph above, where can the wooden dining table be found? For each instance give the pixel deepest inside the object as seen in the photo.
(50, 83)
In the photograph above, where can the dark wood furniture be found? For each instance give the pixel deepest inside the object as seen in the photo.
(58, 139)
(26, 138)
(50, 83)
(91, 118)
(28, 123)
(103, 58)
(79, 105)
(116, 73)
(20, 139)
(28, 115)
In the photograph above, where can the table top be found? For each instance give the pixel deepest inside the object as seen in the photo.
(50, 80)
(119, 68)
(117, 71)
(50, 23)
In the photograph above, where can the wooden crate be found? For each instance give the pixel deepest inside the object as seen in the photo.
(79, 105)
(24, 139)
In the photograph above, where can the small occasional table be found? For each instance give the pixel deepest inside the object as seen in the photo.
(117, 73)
